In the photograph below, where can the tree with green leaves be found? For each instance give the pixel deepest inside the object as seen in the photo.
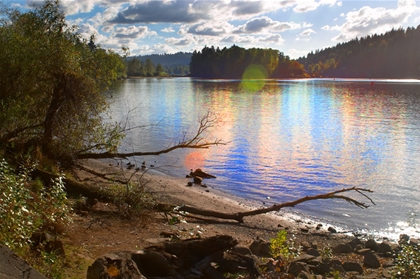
(51, 84)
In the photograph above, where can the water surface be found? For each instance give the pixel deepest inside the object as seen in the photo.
(292, 138)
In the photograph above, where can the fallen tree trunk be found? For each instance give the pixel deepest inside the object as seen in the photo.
(239, 216)
(74, 187)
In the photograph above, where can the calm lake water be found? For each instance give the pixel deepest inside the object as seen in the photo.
(290, 139)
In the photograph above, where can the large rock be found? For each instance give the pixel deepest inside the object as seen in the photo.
(181, 259)
(371, 260)
(13, 267)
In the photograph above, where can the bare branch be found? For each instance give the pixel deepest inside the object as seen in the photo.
(240, 215)
(197, 141)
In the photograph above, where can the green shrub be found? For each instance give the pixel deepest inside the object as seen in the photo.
(284, 248)
(407, 264)
(27, 206)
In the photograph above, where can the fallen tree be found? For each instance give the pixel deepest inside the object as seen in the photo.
(94, 192)
(239, 216)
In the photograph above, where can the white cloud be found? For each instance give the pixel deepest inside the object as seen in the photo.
(369, 20)
(272, 39)
(133, 32)
(304, 6)
(168, 30)
(265, 24)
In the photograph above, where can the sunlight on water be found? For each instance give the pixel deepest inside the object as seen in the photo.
(290, 139)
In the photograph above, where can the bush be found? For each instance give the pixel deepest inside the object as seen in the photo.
(284, 248)
(407, 265)
(27, 206)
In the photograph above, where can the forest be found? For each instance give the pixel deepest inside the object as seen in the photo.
(232, 62)
(176, 64)
(395, 54)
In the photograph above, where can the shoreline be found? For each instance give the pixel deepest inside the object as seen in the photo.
(174, 190)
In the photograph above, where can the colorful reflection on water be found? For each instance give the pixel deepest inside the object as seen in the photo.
(291, 139)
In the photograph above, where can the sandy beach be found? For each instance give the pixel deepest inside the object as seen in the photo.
(175, 191)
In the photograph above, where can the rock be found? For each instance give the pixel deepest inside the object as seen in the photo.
(323, 268)
(198, 180)
(332, 230)
(318, 227)
(342, 249)
(297, 267)
(363, 251)
(13, 267)
(112, 265)
(305, 275)
(352, 266)
(242, 250)
(254, 247)
(339, 268)
(264, 249)
(313, 252)
(414, 242)
(355, 243)
(372, 245)
(404, 238)
(385, 248)
(371, 260)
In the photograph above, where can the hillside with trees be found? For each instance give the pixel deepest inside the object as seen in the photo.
(395, 54)
(159, 64)
(232, 62)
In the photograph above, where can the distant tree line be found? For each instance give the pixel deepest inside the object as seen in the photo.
(232, 62)
(166, 64)
(395, 54)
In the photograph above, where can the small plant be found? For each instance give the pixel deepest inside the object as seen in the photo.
(284, 248)
(407, 264)
(326, 253)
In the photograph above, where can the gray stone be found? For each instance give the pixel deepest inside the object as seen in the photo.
(414, 242)
(313, 252)
(264, 249)
(338, 268)
(385, 248)
(254, 247)
(351, 266)
(404, 238)
(114, 264)
(356, 243)
(305, 275)
(198, 180)
(372, 245)
(242, 250)
(363, 251)
(332, 230)
(13, 267)
(297, 267)
(342, 249)
(370, 260)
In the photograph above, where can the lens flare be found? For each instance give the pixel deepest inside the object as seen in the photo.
(253, 79)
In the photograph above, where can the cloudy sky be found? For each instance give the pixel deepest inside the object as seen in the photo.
(295, 27)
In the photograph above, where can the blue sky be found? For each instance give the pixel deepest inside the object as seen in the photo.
(294, 27)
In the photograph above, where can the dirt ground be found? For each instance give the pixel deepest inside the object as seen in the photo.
(101, 229)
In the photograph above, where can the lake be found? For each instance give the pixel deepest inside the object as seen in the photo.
(288, 139)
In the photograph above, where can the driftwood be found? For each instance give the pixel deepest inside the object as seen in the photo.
(239, 216)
